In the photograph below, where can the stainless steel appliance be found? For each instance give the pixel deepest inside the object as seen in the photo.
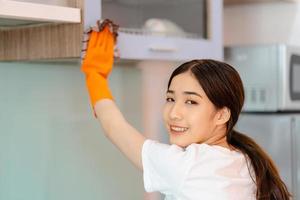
(271, 75)
(271, 113)
(279, 135)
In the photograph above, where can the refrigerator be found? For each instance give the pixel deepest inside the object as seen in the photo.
(278, 135)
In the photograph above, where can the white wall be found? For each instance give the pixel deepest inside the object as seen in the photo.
(51, 146)
(262, 23)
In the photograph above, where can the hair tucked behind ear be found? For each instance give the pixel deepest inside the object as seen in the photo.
(223, 86)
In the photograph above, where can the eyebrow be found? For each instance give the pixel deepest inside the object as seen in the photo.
(185, 92)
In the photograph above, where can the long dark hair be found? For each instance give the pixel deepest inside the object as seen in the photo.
(223, 86)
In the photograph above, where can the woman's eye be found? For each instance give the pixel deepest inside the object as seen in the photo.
(191, 102)
(168, 99)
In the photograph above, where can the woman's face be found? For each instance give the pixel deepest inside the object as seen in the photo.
(190, 117)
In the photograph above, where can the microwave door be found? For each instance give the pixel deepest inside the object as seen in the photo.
(273, 133)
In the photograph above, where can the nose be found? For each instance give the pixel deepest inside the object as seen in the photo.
(175, 112)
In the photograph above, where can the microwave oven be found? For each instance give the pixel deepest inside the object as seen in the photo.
(270, 74)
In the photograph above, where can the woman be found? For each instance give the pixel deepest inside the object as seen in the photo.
(207, 158)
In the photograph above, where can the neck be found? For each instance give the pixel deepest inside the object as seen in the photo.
(219, 138)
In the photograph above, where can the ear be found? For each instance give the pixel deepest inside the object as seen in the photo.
(223, 116)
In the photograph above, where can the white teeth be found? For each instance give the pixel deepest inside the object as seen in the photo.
(178, 129)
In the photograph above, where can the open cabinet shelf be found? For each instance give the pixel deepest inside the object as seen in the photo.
(15, 14)
(35, 31)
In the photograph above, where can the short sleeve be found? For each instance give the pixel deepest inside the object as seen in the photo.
(164, 166)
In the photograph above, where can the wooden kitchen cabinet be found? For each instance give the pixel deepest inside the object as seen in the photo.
(37, 30)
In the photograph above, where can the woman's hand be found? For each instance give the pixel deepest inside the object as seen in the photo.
(98, 62)
(99, 56)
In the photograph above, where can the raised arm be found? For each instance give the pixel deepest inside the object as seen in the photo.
(97, 65)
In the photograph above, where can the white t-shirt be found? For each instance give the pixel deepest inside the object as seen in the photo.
(197, 172)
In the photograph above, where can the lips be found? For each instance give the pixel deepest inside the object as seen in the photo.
(177, 129)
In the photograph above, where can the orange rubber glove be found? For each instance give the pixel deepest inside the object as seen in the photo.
(98, 64)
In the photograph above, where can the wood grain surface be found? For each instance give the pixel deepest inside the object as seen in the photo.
(44, 41)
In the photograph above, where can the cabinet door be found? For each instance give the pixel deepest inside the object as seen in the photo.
(177, 17)
(167, 30)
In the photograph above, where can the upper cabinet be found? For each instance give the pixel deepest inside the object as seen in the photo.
(32, 29)
(167, 30)
(17, 13)
(149, 29)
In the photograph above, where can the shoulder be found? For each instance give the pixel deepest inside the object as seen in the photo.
(192, 151)
(218, 173)
(165, 166)
(213, 157)
(202, 157)
(197, 151)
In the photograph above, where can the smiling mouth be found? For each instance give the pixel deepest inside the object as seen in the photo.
(178, 130)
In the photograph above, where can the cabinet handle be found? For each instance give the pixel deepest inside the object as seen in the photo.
(158, 48)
